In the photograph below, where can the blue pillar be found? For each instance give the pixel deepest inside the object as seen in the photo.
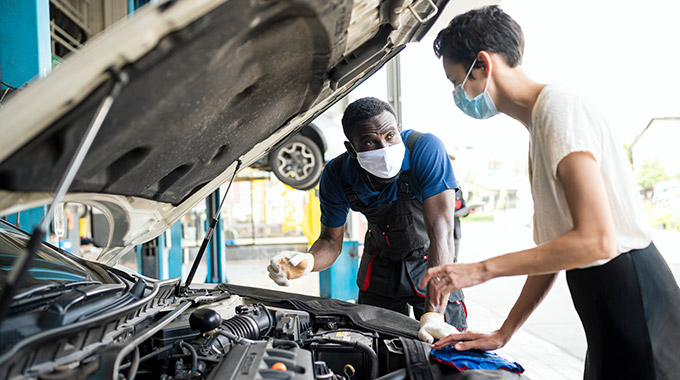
(140, 263)
(25, 49)
(29, 219)
(175, 251)
(215, 248)
(135, 4)
(161, 257)
(340, 280)
(25, 53)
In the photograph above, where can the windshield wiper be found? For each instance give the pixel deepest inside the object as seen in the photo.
(22, 262)
(51, 289)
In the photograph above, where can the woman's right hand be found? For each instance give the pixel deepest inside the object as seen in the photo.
(444, 279)
(472, 340)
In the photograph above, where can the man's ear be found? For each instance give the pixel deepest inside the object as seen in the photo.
(350, 150)
(399, 127)
(484, 58)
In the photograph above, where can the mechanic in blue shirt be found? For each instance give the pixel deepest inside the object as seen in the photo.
(404, 184)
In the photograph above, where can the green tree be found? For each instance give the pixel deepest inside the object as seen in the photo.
(650, 173)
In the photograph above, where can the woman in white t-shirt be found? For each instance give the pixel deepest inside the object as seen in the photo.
(588, 217)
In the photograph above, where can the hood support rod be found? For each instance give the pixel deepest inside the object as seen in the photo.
(22, 262)
(211, 230)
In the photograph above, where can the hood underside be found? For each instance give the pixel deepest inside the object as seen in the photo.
(210, 82)
(195, 103)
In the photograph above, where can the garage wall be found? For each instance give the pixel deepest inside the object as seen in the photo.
(93, 15)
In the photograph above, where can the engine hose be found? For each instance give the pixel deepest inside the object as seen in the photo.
(134, 366)
(147, 357)
(358, 345)
(194, 356)
(233, 337)
(283, 342)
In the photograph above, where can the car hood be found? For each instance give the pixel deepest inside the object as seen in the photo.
(210, 82)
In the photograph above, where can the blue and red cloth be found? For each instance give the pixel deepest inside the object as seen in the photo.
(474, 359)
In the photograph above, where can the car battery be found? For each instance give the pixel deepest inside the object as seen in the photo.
(344, 359)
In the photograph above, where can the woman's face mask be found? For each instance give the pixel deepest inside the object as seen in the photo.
(481, 107)
(383, 163)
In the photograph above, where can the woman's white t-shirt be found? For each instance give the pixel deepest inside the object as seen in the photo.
(563, 122)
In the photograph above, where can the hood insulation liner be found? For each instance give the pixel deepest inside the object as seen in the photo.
(200, 99)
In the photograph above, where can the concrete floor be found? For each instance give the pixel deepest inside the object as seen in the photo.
(551, 344)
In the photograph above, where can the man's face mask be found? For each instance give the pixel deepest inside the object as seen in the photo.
(481, 107)
(383, 163)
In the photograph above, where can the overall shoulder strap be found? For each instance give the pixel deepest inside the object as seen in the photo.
(404, 185)
(412, 139)
(337, 164)
(352, 198)
(404, 181)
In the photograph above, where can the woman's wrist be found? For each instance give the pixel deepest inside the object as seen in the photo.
(484, 271)
(505, 334)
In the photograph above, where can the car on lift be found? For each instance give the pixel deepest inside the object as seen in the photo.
(299, 159)
(144, 122)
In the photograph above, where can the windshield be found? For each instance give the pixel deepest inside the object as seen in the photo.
(48, 267)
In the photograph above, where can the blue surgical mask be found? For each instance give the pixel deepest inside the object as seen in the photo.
(481, 107)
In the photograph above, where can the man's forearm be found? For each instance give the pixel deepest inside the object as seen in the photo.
(325, 252)
(438, 215)
(441, 249)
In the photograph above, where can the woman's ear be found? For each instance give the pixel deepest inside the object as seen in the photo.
(350, 150)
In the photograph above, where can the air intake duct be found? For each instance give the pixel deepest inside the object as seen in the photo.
(252, 322)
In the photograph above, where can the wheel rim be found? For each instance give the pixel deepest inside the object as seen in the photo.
(296, 161)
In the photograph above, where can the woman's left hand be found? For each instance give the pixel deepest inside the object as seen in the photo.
(444, 279)
(471, 340)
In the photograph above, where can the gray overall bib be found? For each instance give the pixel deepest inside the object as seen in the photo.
(395, 252)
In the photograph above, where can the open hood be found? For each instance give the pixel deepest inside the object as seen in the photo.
(210, 82)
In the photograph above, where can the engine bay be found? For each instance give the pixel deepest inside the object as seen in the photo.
(162, 330)
(238, 338)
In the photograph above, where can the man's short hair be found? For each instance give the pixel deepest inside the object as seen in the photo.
(362, 109)
(489, 29)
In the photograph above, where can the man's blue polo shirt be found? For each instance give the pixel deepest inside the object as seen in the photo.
(431, 173)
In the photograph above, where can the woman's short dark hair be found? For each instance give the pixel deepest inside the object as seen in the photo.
(489, 29)
(362, 109)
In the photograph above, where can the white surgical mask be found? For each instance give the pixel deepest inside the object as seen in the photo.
(383, 163)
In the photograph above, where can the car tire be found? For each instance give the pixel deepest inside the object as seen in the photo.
(298, 163)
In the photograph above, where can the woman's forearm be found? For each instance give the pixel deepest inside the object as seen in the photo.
(533, 293)
(571, 250)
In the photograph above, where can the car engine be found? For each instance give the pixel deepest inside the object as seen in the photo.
(158, 329)
(254, 341)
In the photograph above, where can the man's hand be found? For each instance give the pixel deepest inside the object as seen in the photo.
(289, 265)
(471, 340)
(433, 326)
